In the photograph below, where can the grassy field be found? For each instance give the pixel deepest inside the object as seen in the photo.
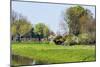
(48, 53)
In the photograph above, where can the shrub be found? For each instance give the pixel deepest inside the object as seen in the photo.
(86, 38)
(92, 39)
(83, 38)
(59, 40)
(71, 40)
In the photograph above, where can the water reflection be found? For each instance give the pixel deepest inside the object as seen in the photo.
(21, 60)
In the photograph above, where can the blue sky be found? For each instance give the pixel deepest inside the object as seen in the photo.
(50, 14)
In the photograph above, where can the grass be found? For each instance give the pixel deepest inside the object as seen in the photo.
(48, 53)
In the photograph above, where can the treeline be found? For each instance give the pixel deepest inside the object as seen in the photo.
(22, 28)
(80, 21)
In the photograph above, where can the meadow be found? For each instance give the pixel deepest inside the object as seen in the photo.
(51, 53)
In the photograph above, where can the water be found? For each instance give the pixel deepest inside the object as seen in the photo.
(21, 60)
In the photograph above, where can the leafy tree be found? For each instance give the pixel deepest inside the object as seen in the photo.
(42, 30)
(72, 17)
(87, 23)
(20, 26)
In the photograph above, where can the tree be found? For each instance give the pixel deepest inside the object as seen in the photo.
(20, 26)
(72, 17)
(87, 23)
(42, 30)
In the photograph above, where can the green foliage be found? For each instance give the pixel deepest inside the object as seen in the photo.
(73, 17)
(21, 26)
(42, 29)
(86, 38)
(58, 40)
(71, 40)
(83, 38)
(13, 29)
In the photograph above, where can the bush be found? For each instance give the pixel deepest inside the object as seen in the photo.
(86, 38)
(83, 38)
(59, 40)
(71, 40)
(92, 39)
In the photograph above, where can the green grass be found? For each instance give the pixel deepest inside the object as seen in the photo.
(48, 53)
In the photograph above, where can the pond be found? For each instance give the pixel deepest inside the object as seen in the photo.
(18, 60)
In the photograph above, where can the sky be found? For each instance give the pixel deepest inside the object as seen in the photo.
(50, 14)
